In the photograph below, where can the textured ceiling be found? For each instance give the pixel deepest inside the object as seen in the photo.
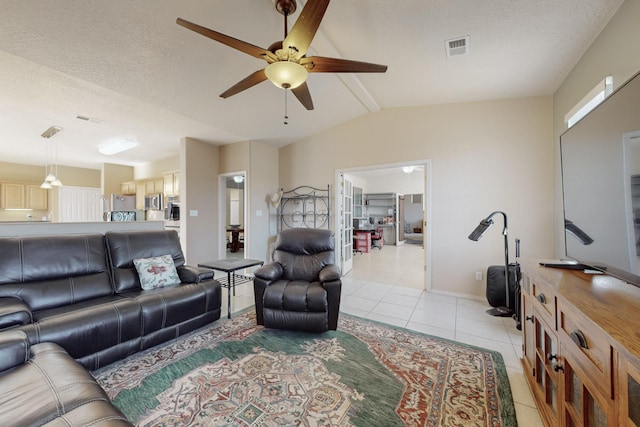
(129, 66)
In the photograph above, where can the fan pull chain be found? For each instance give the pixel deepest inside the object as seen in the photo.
(286, 117)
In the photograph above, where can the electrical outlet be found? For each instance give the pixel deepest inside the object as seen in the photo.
(478, 275)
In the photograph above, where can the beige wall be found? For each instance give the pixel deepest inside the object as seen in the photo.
(263, 182)
(615, 52)
(157, 169)
(113, 176)
(199, 192)
(485, 156)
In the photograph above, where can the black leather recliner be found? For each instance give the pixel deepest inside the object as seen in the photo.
(300, 289)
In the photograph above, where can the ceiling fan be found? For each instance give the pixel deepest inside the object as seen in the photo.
(288, 67)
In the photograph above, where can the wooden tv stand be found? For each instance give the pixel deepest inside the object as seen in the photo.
(581, 346)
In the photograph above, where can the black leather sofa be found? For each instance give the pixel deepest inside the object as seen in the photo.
(41, 385)
(81, 295)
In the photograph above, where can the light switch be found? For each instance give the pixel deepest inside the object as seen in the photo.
(193, 212)
(258, 212)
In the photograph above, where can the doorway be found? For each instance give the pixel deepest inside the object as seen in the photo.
(233, 215)
(389, 179)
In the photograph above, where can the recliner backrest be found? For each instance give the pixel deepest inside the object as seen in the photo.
(303, 252)
(52, 271)
(125, 246)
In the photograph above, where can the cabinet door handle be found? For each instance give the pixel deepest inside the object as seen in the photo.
(578, 337)
(541, 298)
(551, 357)
(558, 368)
(529, 318)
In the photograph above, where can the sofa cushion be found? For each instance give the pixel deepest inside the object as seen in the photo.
(50, 386)
(172, 305)
(123, 247)
(14, 349)
(156, 272)
(87, 327)
(50, 271)
(13, 312)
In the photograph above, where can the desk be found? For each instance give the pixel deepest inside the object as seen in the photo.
(234, 245)
(230, 266)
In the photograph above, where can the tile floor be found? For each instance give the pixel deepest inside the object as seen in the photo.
(393, 280)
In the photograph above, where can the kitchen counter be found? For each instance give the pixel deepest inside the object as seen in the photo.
(30, 228)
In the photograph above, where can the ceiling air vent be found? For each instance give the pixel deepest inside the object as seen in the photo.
(457, 47)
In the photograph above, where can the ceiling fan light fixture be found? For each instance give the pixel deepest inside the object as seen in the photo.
(286, 74)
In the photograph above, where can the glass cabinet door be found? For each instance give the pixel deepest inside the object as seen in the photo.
(546, 365)
(629, 377)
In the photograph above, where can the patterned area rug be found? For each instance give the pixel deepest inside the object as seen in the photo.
(234, 373)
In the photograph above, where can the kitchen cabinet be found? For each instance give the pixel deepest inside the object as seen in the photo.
(171, 184)
(23, 196)
(13, 196)
(581, 357)
(128, 188)
(37, 198)
(141, 191)
(154, 186)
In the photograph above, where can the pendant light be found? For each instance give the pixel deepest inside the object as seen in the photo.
(51, 179)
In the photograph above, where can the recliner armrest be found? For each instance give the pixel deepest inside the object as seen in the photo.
(14, 312)
(329, 273)
(270, 272)
(190, 274)
(14, 349)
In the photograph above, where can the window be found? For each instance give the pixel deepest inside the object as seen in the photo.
(590, 101)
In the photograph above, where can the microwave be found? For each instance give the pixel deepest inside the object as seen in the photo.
(153, 202)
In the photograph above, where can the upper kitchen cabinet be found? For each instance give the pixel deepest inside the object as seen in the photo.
(37, 198)
(128, 188)
(171, 183)
(23, 196)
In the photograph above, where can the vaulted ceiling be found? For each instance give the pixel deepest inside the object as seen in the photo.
(128, 68)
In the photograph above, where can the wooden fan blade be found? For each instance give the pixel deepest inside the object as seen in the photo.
(305, 28)
(319, 64)
(303, 95)
(245, 47)
(252, 80)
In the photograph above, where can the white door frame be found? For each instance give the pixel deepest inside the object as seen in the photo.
(426, 200)
(222, 212)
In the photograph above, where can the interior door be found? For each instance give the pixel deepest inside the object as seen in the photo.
(346, 243)
(400, 219)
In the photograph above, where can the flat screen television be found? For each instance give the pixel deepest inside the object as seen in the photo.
(601, 185)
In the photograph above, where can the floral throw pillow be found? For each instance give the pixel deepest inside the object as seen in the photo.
(156, 272)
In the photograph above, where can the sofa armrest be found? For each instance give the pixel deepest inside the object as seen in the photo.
(14, 349)
(269, 272)
(190, 274)
(14, 312)
(329, 273)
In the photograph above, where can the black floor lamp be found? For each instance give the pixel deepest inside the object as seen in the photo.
(475, 236)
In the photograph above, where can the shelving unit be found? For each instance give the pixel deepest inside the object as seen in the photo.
(304, 206)
(380, 204)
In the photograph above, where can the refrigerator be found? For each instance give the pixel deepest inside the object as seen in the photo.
(119, 202)
(118, 207)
